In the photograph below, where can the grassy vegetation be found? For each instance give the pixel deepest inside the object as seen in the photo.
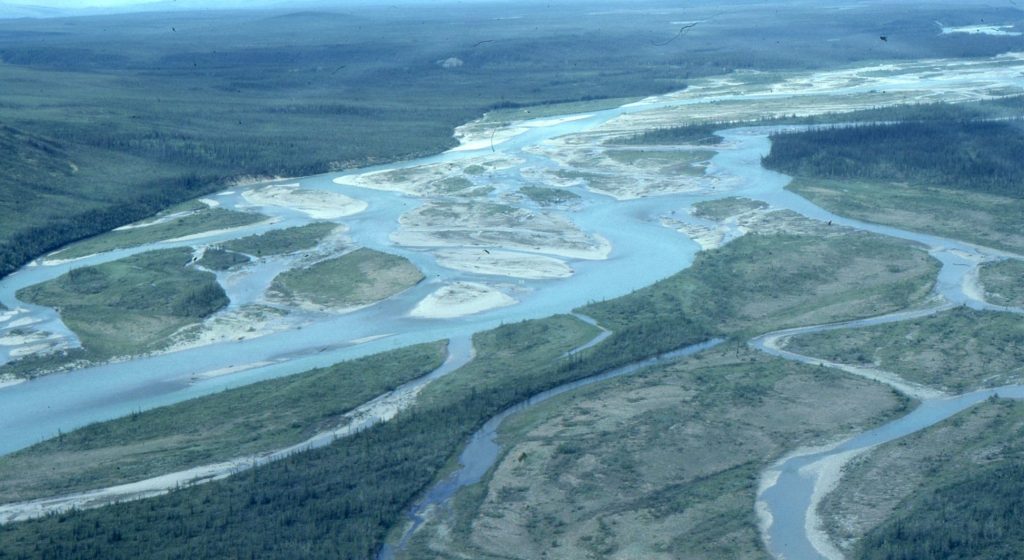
(1004, 282)
(949, 491)
(281, 241)
(361, 277)
(990, 220)
(199, 222)
(663, 464)
(960, 349)
(259, 417)
(219, 259)
(759, 283)
(723, 208)
(547, 196)
(132, 305)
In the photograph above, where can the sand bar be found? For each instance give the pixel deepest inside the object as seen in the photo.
(319, 205)
(461, 299)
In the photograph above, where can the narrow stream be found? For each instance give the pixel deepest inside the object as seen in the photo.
(482, 450)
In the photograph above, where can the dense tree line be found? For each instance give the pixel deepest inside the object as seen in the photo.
(978, 517)
(976, 156)
(703, 134)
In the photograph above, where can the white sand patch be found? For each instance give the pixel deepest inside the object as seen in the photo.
(9, 381)
(24, 322)
(371, 338)
(503, 263)
(708, 237)
(484, 137)
(209, 202)
(156, 221)
(998, 30)
(225, 193)
(210, 233)
(243, 323)
(319, 205)
(29, 350)
(460, 299)
(764, 515)
(488, 225)
(827, 473)
(442, 178)
(971, 285)
(542, 123)
(228, 370)
(20, 340)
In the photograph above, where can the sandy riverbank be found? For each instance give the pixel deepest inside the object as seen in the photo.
(460, 299)
(827, 472)
(503, 263)
(319, 205)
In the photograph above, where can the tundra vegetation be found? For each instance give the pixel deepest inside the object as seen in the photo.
(281, 241)
(959, 350)
(132, 305)
(1003, 282)
(357, 278)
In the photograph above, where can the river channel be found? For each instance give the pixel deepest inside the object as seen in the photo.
(644, 251)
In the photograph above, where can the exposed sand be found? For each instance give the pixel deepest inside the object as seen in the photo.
(23, 322)
(488, 225)
(708, 237)
(212, 232)
(319, 205)
(484, 136)
(9, 381)
(460, 299)
(228, 370)
(503, 263)
(436, 179)
(243, 323)
(998, 30)
(541, 123)
(827, 473)
(765, 519)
